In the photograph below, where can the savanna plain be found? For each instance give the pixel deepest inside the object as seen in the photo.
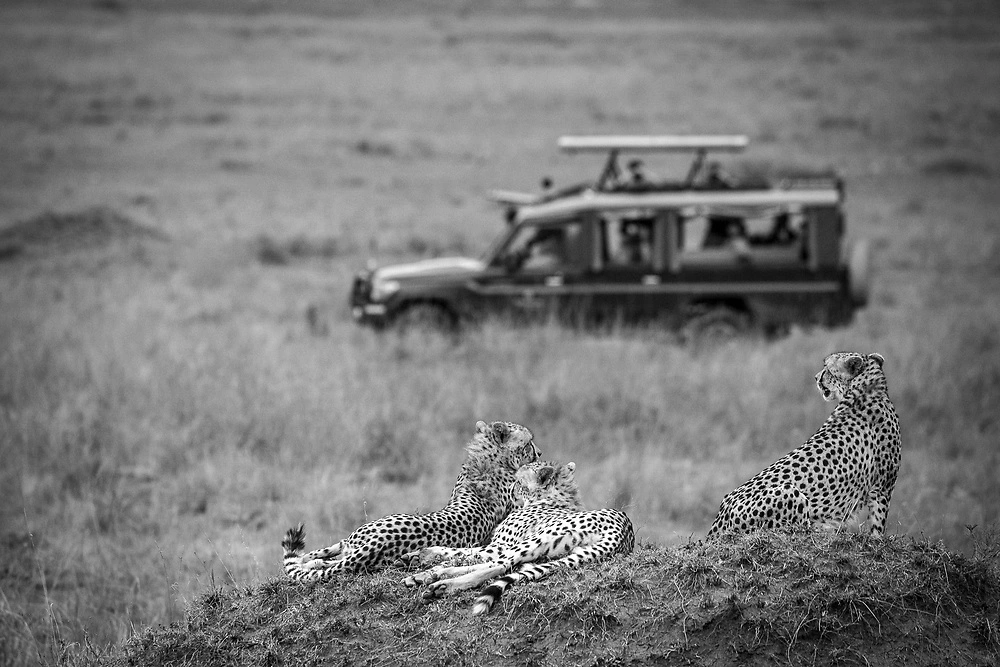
(186, 191)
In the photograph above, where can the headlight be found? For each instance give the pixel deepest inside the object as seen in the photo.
(383, 289)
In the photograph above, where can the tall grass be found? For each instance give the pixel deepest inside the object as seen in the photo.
(167, 409)
(157, 457)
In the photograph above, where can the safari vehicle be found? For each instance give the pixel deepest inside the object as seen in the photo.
(706, 253)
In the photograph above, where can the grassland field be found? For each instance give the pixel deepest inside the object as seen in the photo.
(179, 186)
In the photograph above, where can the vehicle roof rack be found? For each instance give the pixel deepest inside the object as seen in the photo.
(653, 143)
(699, 144)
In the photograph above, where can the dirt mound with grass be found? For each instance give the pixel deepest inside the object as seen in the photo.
(754, 600)
(61, 232)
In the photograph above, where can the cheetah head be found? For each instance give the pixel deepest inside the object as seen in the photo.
(841, 369)
(546, 483)
(516, 441)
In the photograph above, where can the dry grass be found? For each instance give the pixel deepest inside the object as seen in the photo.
(167, 408)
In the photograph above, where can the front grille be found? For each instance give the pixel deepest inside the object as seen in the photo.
(361, 290)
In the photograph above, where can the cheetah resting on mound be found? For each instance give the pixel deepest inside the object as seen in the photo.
(483, 496)
(551, 531)
(847, 469)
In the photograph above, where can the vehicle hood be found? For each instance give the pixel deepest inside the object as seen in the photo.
(431, 268)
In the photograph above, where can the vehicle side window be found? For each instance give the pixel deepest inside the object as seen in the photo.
(776, 229)
(737, 238)
(628, 241)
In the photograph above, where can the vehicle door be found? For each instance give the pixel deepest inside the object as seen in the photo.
(626, 277)
(531, 275)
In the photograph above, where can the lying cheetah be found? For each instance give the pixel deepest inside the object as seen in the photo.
(483, 496)
(848, 468)
(551, 531)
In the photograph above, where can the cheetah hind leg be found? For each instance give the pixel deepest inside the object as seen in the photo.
(335, 550)
(295, 568)
(853, 521)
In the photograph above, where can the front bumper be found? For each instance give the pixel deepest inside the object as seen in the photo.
(374, 314)
(363, 309)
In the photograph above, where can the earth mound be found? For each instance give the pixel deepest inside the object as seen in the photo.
(62, 232)
(759, 599)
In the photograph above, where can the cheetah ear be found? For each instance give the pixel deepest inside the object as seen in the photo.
(545, 475)
(855, 364)
(570, 467)
(480, 427)
(879, 359)
(501, 431)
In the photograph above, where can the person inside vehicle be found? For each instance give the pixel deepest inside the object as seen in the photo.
(634, 247)
(544, 251)
(718, 179)
(719, 230)
(737, 241)
(638, 176)
(782, 233)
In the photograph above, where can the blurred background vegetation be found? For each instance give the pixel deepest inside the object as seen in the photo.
(180, 187)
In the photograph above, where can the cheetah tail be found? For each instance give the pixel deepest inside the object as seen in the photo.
(491, 595)
(295, 541)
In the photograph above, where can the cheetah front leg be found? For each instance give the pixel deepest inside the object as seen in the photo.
(439, 572)
(335, 550)
(435, 555)
(457, 579)
(878, 506)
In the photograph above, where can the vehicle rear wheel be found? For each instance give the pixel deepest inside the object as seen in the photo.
(714, 327)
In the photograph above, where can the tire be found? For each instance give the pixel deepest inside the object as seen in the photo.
(714, 327)
(859, 272)
(425, 318)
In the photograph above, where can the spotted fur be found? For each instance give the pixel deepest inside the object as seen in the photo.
(483, 496)
(845, 471)
(551, 531)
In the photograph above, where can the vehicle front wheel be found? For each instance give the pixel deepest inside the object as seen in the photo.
(425, 318)
(714, 327)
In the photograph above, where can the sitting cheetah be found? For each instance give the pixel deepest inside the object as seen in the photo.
(551, 531)
(847, 468)
(483, 496)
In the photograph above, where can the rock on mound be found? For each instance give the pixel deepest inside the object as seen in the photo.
(759, 599)
(93, 227)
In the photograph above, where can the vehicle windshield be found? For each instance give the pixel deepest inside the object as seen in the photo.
(536, 246)
(495, 249)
